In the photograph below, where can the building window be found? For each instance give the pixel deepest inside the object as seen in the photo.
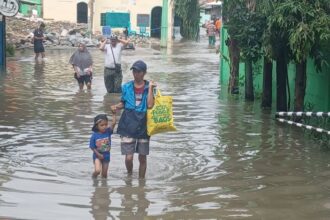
(103, 19)
(142, 20)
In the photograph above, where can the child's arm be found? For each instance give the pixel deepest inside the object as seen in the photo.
(114, 119)
(116, 107)
(94, 149)
(98, 154)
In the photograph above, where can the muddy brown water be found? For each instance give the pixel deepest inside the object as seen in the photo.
(228, 159)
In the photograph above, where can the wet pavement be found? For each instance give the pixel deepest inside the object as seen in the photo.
(228, 159)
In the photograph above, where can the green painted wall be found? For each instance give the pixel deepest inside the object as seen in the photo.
(318, 84)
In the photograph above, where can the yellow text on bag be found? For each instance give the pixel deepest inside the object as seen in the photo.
(160, 117)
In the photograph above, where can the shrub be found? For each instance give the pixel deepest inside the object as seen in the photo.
(10, 50)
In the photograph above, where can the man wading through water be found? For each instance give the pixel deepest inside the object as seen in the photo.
(38, 38)
(112, 48)
(136, 98)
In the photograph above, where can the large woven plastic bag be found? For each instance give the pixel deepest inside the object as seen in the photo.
(160, 117)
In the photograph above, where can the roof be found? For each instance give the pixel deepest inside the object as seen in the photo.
(29, 2)
(214, 4)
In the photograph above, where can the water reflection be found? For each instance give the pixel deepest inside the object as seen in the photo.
(39, 70)
(100, 200)
(82, 105)
(134, 202)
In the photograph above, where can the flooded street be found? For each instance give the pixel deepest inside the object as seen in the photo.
(228, 160)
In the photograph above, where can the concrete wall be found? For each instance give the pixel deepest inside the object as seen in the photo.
(67, 10)
(61, 10)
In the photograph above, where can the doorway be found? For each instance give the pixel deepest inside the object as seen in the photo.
(82, 12)
(156, 22)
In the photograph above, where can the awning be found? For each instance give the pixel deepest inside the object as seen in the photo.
(214, 4)
(29, 2)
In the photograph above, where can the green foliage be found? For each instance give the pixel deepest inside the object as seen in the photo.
(300, 28)
(10, 50)
(246, 26)
(306, 24)
(189, 12)
(321, 55)
(309, 107)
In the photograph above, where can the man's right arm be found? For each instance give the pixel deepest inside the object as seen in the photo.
(103, 43)
(124, 42)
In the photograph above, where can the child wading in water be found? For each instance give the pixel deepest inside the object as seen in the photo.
(100, 143)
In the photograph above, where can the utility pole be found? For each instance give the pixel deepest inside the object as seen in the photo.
(6, 9)
(91, 4)
(2, 42)
(164, 28)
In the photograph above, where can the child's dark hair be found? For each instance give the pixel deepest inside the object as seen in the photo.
(97, 120)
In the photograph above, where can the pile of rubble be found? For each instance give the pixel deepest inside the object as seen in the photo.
(19, 32)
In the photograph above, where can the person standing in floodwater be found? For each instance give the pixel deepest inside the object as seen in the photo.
(211, 32)
(137, 97)
(82, 63)
(100, 143)
(38, 38)
(113, 75)
(218, 27)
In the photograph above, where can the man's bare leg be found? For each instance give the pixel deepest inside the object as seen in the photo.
(143, 166)
(81, 86)
(89, 86)
(129, 163)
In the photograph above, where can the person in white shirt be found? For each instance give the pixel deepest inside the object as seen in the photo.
(112, 48)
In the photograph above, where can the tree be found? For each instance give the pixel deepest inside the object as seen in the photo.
(305, 23)
(291, 30)
(189, 12)
(245, 26)
(279, 49)
(250, 42)
(265, 8)
(231, 11)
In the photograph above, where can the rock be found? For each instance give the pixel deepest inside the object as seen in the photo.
(19, 32)
(64, 32)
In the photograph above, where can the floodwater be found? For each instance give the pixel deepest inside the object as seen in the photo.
(228, 159)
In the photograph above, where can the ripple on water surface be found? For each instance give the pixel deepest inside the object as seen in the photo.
(227, 160)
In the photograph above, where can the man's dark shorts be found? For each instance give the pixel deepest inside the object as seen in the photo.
(39, 47)
(84, 79)
(130, 146)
